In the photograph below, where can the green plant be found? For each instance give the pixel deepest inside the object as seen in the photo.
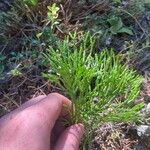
(15, 72)
(117, 26)
(52, 15)
(31, 2)
(117, 1)
(2, 58)
(99, 85)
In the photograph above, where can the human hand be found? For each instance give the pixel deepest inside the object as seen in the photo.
(36, 126)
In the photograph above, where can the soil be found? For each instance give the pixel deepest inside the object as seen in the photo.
(115, 137)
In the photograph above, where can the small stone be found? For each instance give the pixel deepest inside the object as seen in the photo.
(95, 100)
(143, 130)
(125, 4)
(108, 41)
(148, 109)
(52, 72)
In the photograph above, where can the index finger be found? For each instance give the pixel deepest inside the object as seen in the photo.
(53, 106)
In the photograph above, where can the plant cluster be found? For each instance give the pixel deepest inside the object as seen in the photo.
(99, 85)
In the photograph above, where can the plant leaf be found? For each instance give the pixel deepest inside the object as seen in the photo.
(125, 30)
(116, 24)
(31, 2)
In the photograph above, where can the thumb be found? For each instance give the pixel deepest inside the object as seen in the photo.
(70, 138)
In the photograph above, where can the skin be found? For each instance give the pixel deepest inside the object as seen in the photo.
(37, 125)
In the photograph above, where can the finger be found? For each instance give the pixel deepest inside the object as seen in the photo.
(51, 107)
(22, 107)
(70, 138)
(32, 101)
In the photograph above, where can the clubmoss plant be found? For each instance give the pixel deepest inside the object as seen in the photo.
(99, 85)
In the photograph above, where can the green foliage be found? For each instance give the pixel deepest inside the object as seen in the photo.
(26, 25)
(117, 1)
(15, 72)
(31, 2)
(117, 26)
(101, 88)
(52, 15)
(45, 38)
(30, 24)
(2, 58)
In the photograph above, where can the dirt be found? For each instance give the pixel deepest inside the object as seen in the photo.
(115, 137)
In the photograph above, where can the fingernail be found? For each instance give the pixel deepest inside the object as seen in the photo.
(80, 128)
